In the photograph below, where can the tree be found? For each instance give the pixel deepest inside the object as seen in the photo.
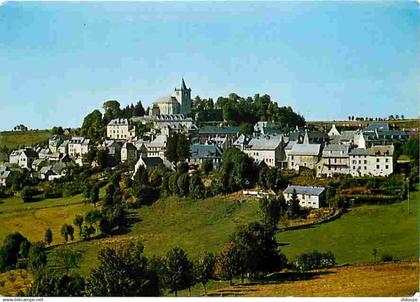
(294, 206)
(183, 147)
(93, 217)
(239, 168)
(67, 231)
(177, 147)
(94, 195)
(196, 189)
(271, 209)
(138, 109)
(183, 184)
(204, 269)
(112, 110)
(173, 184)
(87, 232)
(49, 283)
(171, 148)
(27, 194)
(37, 257)
(123, 271)
(257, 250)
(57, 130)
(246, 128)
(179, 270)
(207, 166)
(141, 178)
(226, 265)
(9, 251)
(48, 237)
(65, 259)
(78, 221)
(92, 126)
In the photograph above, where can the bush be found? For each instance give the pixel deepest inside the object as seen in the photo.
(28, 194)
(387, 258)
(315, 260)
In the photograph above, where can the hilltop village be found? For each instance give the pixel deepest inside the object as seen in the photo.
(142, 141)
(132, 170)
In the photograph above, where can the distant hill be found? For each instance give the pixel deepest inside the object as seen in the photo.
(13, 139)
(398, 124)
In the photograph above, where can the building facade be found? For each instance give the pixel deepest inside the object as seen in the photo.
(309, 197)
(120, 129)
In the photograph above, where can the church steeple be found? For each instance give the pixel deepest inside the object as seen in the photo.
(183, 95)
(183, 86)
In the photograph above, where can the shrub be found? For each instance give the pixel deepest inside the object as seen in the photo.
(387, 258)
(315, 260)
(28, 194)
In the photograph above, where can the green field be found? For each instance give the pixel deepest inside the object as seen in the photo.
(33, 219)
(12, 139)
(196, 226)
(206, 225)
(388, 228)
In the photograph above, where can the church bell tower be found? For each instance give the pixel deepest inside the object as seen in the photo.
(183, 96)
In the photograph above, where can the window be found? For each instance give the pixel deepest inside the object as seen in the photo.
(387, 160)
(365, 162)
(377, 160)
(386, 167)
(377, 166)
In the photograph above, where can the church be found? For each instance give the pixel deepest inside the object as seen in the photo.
(178, 103)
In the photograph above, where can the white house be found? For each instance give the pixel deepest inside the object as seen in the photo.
(333, 131)
(120, 128)
(23, 157)
(375, 161)
(157, 147)
(78, 146)
(264, 148)
(309, 197)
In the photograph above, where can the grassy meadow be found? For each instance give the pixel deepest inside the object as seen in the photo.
(391, 229)
(168, 223)
(197, 226)
(13, 139)
(378, 280)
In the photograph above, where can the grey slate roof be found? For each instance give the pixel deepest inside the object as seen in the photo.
(306, 190)
(219, 130)
(334, 150)
(305, 149)
(377, 126)
(118, 122)
(199, 151)
(264, 142)
(152, 162)
(158, 142)
(347, 135)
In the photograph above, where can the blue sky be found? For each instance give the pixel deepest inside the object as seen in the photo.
(328, 60)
